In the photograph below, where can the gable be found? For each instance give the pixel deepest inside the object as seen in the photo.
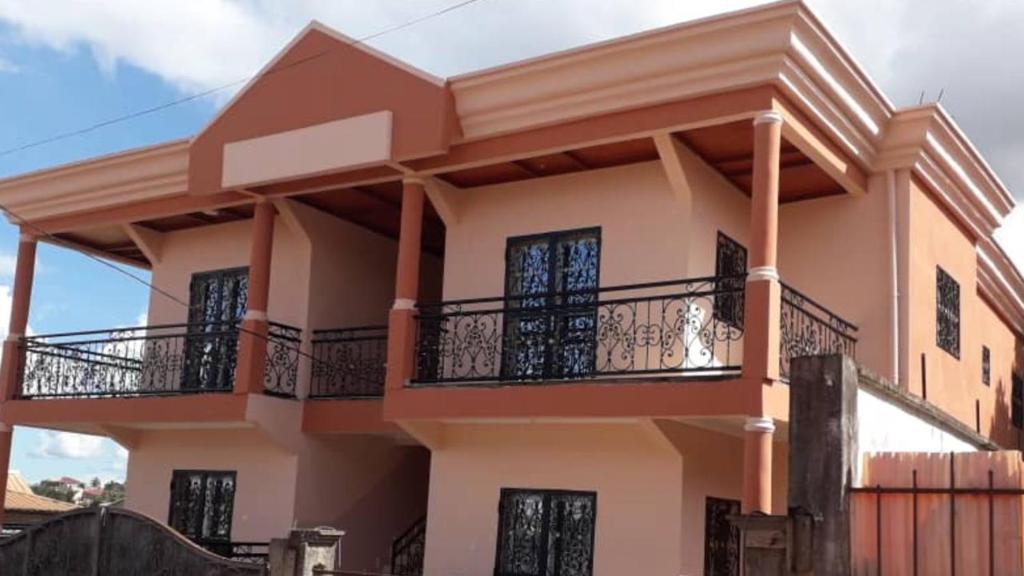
(324, 78)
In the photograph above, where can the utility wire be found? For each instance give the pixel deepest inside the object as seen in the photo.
(199, 95)
(54, 239)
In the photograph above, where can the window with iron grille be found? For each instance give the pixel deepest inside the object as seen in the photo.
(986, 366)
(201, 505)
(947, 313)
(721, 538)
(731, 269)
(1017, 402)
(545, 533)
(551, 283)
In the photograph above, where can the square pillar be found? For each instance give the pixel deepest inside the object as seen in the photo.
(252, 337)
(763, 295)
(24, 274)
(402, 319)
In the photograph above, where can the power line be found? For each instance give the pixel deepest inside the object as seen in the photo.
(62, 136)
(199, 95)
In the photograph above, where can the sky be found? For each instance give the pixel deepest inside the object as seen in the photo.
(67, 64)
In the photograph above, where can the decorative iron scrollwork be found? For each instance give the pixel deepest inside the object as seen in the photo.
(407, 550)
(655, 328)
(123, 362)
(349, 362)
(281, 375)
(545, 533)
(809, 329)
(947, 313)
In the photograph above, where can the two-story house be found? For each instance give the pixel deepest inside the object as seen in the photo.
(549, 307)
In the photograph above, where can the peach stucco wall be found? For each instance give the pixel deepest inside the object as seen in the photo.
(266, 476)
(644, 228)
(837, 251)
(651, 483)
(371, 488)
(368, 487)
(954, 384)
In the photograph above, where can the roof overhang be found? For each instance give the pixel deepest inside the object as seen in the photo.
(1001, 283)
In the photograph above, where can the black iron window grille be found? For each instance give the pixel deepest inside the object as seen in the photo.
(1017, 402)
(986, 366)
(721, 538)
(730, 264)
(217, 302)
(545, 533)
(349, 362)
(947, 313)
(550, 285)
(201, 506)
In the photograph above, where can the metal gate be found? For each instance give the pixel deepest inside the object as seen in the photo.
(111, 542)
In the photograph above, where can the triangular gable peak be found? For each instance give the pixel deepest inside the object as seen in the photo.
(324, 104)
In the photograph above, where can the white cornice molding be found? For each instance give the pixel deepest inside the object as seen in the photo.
(1001, 282)
(925, 140)
(127, 177)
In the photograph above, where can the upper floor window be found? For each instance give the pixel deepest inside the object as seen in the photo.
(986, 366)
(947, 313)
(1017, 402)
(550, 324)
(545, 533)
(731, 267)
(201, 505)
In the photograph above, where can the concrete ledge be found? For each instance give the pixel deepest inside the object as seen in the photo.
(922, 409)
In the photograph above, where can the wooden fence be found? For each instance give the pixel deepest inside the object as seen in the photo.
(939, 514)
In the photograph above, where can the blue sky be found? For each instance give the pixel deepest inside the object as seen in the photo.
(67, 64)
(49, 93)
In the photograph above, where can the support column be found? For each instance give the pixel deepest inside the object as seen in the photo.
(763, 297)
(757, 465)
(24, 273)
(402, 320)
(6, 435)
(252, 338)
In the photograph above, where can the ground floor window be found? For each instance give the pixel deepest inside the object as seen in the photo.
(721, 538)
(545, 533)
(202, 502)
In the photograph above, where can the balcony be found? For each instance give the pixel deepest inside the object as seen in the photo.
(662, 328)
(159, 360)
(691, 328)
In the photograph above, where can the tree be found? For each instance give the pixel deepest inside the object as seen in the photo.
(95, 482)
(55, 490)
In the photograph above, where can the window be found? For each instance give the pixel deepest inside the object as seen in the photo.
(986, 366)
(730, 263)
(721, 538)
(551, 283)
(217, 302)
(947, 313)
(545, 533)
(202, 502)
(1017, 402)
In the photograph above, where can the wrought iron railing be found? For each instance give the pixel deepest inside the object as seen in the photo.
(690, 326)
(165, 359)
(407, 550)
(808, 329)
(150, 360)
(281, 374)
(349, 362)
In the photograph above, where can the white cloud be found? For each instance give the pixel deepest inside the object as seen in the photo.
(67, 445)
(7, 265)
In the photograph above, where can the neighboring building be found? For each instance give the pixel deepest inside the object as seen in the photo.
(22, 507)
(549, 306)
